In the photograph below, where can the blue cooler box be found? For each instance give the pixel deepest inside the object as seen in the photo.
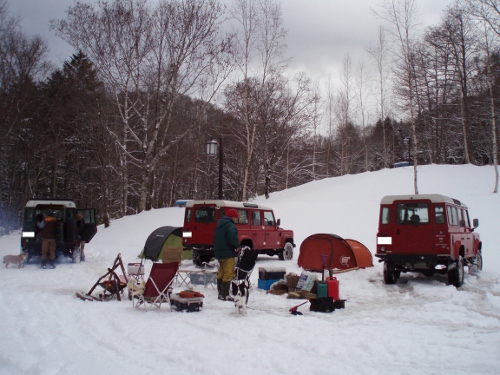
(266, 284)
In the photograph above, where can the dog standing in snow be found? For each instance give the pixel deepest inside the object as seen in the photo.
(15, 259)
(240, 304)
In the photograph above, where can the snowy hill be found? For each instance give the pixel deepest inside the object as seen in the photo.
(420, 325)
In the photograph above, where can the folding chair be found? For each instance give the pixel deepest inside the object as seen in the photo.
(156, 289)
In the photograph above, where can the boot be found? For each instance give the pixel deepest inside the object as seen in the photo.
(52, 264)
(219, 288)
(225, 291)
(44, 263)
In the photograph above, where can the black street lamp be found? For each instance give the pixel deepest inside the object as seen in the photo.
(212, 147)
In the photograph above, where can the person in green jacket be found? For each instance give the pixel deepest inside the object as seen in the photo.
(226, 246)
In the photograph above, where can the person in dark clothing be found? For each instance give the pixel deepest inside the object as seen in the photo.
(80, 226)
(49, 234)
(39, 224)
(226, 246)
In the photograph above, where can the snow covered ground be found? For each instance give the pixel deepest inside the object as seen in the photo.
(418, 326)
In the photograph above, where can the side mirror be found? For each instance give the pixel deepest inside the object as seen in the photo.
(278, 222)
(475, 223)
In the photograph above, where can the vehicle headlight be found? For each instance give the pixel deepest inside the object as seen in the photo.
(384, 240)
(187, 234)
(29, 234)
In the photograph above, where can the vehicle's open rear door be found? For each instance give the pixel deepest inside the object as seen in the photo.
(90, 223)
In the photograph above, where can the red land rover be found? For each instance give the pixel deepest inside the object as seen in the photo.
(427, 233)
(257, 229)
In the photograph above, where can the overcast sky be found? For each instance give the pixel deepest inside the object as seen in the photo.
(320, 32)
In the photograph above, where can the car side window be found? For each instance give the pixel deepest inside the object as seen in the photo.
(268, 218)
(256, 218)
(461, 220)
(439, 213)
(452, 215)
(466, 219)
(242, 217)
(385, 215)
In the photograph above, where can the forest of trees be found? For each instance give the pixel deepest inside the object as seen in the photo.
(123, 125)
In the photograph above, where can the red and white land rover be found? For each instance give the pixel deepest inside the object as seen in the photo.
(427, 233)
(257, 229)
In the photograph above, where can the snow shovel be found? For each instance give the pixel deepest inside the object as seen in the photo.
(294, 310)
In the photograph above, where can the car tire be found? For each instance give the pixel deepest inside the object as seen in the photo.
(390, 274)
(287, 252)
(479, 262)
(456, 274)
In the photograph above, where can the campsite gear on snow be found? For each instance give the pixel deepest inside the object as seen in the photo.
(240, 285)
(321, 290)
(333, 287)
(266, 284)
(135, 269)
(165, 244)
(294, 310)
(112, 283)
(269, 276)
(187, 300)
(306, 281)
(188, 304)
(205, 277)
(272, 273)
(291, 281)
(323, 304)
(349, 254)
(339, 303)
(157, 289)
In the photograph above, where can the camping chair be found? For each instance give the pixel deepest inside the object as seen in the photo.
(156, 289)
(112, 283)
(240, 285)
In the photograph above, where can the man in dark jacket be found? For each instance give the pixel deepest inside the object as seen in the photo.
(49, 233)
(226, 246)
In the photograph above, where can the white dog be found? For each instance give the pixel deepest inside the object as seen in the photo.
(15, 259)
(240, 304)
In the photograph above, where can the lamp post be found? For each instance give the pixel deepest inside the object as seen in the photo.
(212, 147)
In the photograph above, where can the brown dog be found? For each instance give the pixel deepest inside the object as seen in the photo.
(15, 259)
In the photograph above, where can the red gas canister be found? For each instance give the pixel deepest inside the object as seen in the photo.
(333, 287)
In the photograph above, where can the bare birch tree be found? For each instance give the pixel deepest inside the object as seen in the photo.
(488, 11)
(401, 15)
(260, 45)
(379, 54)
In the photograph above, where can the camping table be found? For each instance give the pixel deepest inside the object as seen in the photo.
(183, 275)
(210, 280)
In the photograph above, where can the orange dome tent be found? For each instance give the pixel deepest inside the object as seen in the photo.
(340, 254)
